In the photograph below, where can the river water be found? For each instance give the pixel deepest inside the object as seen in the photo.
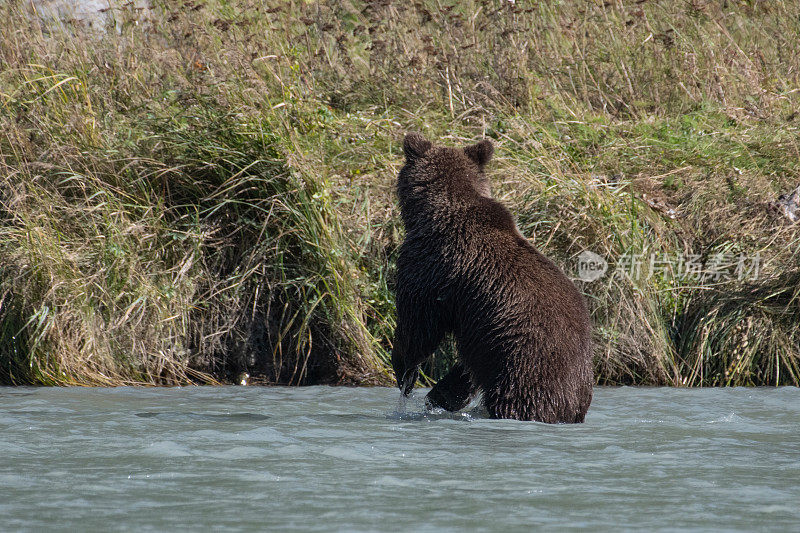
(345, 459)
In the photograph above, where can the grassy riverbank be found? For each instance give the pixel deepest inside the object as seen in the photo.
(208, 190)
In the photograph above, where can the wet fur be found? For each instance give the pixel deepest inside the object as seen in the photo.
(521, 327)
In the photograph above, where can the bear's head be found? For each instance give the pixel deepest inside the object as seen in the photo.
(442, 172)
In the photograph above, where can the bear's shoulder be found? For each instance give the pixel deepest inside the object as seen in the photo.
(491, 214)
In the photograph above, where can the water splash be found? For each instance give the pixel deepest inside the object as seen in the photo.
(412, 408)
(402, 402)
(403, 411)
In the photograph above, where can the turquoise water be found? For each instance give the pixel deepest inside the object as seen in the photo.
(344, 459)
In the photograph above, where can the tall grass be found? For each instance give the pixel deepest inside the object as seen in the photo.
(207, 187)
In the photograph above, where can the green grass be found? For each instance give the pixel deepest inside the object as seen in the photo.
(209, 189)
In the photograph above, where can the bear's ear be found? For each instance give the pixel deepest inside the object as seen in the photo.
(481, 153)
(415, 145)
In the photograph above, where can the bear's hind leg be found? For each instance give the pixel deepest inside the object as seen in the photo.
(454, 391)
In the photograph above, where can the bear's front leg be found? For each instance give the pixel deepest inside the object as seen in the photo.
(454, 391)
(405, 376)
(415, 338)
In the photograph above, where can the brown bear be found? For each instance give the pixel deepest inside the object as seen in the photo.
(522, 330)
